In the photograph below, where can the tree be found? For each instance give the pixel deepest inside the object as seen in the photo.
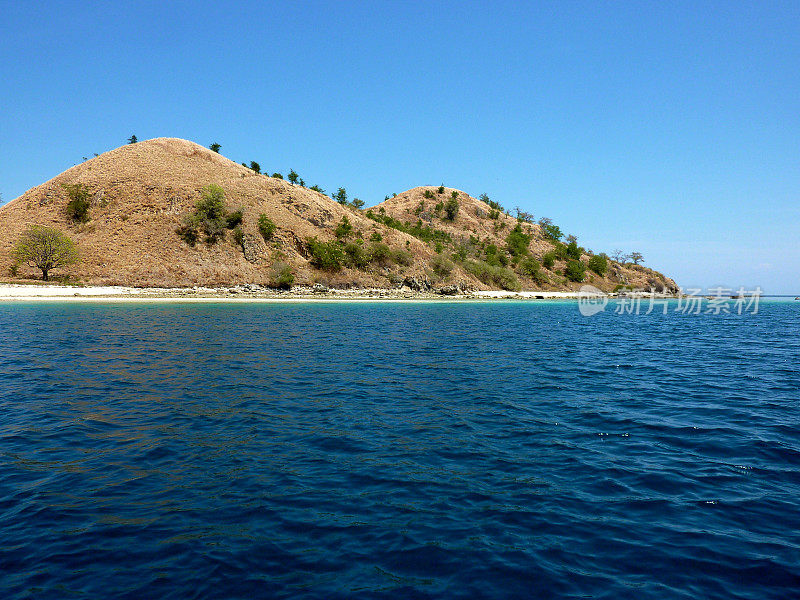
(45, 248)
(131, 140)
(358, 203)
(524, 217)
(636, 257)
(277, 176)
(215, 147)
(550, 230)
(254, 166)
(293, 177)
(618, 256)
(341, 196)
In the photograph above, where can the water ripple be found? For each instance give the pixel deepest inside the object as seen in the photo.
(437, 450)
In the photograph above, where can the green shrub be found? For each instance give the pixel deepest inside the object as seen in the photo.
(494, 214)
(328, 256)
(403, 257)
(428, 194)
(375, 237)
(549, 259)
(381, 254)
(573, 251)
(517, 241)
(209, 217)
(575, 270)
(234, 219)
(215, 147)
(418, 229)
(266, 227)
(254, 166)
(441, 265)
(356, 256)
(495, 256)
(344, 228)
(441, 189)
(420, 207)
(561, 250)
(79, 202)
(238, 237)
(491, 275)
(282, 276)
(529, 266)
(277, 176)
(451, 207)
(293, 177)
(599, 264)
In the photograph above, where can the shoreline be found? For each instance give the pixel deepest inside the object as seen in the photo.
(251, 293)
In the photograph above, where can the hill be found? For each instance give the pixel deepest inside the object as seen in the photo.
(140, 196)
(489, 242)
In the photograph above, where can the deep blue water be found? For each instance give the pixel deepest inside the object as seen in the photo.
(431, 450)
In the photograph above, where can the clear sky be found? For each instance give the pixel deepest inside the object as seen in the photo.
(671, 128)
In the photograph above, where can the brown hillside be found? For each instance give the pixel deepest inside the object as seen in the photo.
(473, 229)
(141, 192)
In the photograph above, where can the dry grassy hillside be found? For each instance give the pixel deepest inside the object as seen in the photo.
(477, 227)
(139, 196)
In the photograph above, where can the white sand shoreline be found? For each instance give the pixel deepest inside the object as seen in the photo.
(27, 292)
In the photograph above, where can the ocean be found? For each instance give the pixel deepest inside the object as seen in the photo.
(469, 449)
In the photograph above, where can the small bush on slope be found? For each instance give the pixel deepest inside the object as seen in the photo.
(79, 202)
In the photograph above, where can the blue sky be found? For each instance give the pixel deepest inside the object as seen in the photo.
(671, 128)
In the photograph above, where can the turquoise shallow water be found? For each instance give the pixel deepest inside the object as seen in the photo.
(431, 450)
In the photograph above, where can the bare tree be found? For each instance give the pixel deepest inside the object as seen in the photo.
(636, 257)
(45, 248)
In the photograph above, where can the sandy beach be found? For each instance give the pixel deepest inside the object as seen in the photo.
(248, 293)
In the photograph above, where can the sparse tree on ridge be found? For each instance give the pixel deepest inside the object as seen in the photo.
(618, 256)
(358, 203)
(254, 166)
(131, 140)
(293, 177)
(215, 147)
(45, 248)
(341, 196)
(636, 257)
